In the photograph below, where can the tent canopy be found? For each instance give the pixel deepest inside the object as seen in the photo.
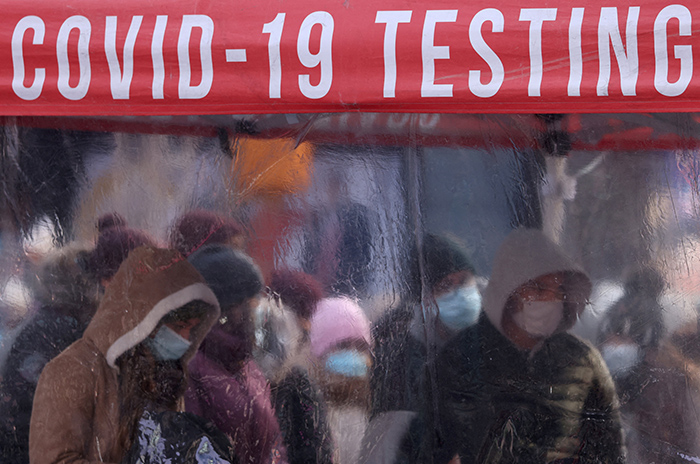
(222, 57)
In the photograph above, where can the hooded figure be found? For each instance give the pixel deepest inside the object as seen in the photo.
(67, 295)
(78, 406)
(516, 387)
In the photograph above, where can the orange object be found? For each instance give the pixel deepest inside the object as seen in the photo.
(270, 167)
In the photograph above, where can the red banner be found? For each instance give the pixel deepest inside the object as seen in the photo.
(226, 57)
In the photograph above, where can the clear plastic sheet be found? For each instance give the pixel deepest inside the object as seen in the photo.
(386, 217)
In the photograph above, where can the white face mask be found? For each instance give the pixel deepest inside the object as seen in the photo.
(540, 318)
(621, 358)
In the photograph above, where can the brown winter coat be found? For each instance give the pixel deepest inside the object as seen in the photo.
(75, 417)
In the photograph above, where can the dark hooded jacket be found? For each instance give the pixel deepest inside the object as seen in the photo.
(75, 417)
(493, 402)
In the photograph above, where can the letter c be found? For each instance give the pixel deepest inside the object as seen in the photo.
(33, 91)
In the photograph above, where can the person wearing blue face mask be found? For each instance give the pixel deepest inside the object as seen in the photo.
(516, 386)
(341, 344)
(121, 385)
(170, 343)
(153, 376)
(403, 335)
(458, 302)
(442, 299)
(460, 308)
(348, 363)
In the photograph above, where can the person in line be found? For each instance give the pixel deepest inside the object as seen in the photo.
(114, 243)
(198, 228)
(404, 336)
(282, 322)
(341, 346)
(338, 245)
(654, 381)
(85, 407)
(66, 289)
(408, 337)
(300, 292)
(226, 386)
(516, 387)
(298, 402)
(152, 382)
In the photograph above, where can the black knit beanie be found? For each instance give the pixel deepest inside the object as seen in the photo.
(443, 256)
(231, 274)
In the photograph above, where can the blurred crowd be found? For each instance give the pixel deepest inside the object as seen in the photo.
(185, 352)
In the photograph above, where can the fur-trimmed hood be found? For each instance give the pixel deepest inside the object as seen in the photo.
(76, 411)
(149, 284)
(524, 255)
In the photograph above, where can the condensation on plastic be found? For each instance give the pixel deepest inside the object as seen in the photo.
(349, 199)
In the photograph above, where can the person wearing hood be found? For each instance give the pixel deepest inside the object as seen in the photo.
(226, 385)
(153, 381)
(516, 387)
(79, 412)
(66, 289)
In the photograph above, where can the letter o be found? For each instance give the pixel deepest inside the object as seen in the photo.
(83, 25)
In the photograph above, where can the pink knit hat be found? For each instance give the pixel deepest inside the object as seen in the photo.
(337, 320)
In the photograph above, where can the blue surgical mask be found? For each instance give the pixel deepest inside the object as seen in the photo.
(168, 345)
(459, 308)
(350, 363)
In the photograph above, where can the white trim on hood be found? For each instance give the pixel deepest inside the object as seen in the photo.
(198, 291)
